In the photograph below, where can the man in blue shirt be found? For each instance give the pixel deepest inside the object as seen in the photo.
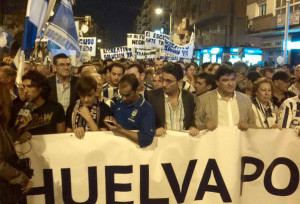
(132, 112)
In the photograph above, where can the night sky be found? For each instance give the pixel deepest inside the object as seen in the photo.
(116, 16)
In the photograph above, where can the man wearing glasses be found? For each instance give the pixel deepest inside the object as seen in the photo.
(62, 83)
(174, 107)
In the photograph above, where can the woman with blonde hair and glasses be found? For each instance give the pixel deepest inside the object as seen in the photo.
(264, 110)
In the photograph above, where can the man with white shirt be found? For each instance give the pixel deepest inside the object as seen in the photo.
(173, 106)
(62, 83)
(224, 106)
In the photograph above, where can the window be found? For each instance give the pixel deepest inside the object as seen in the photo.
(278, 3)
(262, 9)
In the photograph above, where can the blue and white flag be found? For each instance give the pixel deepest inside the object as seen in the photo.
(6, 39)
(35, 14)
(62, 30)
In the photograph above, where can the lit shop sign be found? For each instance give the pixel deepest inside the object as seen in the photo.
(234, 50)
(293, 45)
(213, 50)
(216, 50)
(253, 51)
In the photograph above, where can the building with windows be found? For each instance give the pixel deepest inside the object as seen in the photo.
(147, 20)
(266, 21)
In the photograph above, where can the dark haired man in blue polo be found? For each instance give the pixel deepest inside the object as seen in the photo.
(132, 112)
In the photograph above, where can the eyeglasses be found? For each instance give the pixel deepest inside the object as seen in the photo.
(64, 64)
(168, 81)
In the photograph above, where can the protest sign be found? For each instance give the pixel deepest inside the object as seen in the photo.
(135, 40)
(185, 51)
(223, 166)
(88, 45)
(155, 40)
(146, 54)
(116, 53)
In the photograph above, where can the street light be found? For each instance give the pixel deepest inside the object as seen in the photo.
(159, 11)
(99, 41)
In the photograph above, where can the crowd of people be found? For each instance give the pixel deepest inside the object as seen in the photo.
(140, 100)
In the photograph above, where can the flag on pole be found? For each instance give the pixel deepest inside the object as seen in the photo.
(62, 30)
(35, 14)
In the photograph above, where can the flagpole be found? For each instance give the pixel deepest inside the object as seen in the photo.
(286, 31)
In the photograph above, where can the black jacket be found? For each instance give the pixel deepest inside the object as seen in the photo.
(157, 100)
(73, 94)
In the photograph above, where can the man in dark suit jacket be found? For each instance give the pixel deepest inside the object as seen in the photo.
(174, 107)
(62, 83)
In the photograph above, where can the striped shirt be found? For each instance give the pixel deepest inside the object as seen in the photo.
(147, 88)
(174, 118)
(187, 86)
(109, 92)
(289, 113)
(294, 89)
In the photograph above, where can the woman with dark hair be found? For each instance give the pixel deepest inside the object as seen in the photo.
(9, 175)
(264, 110)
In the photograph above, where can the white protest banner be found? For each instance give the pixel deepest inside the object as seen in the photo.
(145, 54)
(116, 53)
(135, 40)
(227, 165)
(88, 45)
(170, 58)
(185, 51)
(155, 40)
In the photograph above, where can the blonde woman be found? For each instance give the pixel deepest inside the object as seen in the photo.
(264, 110)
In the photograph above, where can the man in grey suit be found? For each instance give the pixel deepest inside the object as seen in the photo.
(224, 106)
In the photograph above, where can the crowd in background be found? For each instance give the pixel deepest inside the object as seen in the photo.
(148, 96)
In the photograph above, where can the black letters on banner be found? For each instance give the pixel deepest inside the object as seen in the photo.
(144, 188)
(173, 181)
(294, 179)
(47, 189)
(111, 186)
(212, 167)
(259, 169)
(67, 190)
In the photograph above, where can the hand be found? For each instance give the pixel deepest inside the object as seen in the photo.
(85, 113)
(24, 121)
(276, 126)
(8, 60)
(193, 131)
(21, 92)
(211, 125)
(243, 126)
(115, 125)
(79, 132)
(27, 187)
(159, 132)
(25, 136)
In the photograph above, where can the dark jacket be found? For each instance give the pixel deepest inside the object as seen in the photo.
(7, 150)
(157, 100)
(73, 94)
